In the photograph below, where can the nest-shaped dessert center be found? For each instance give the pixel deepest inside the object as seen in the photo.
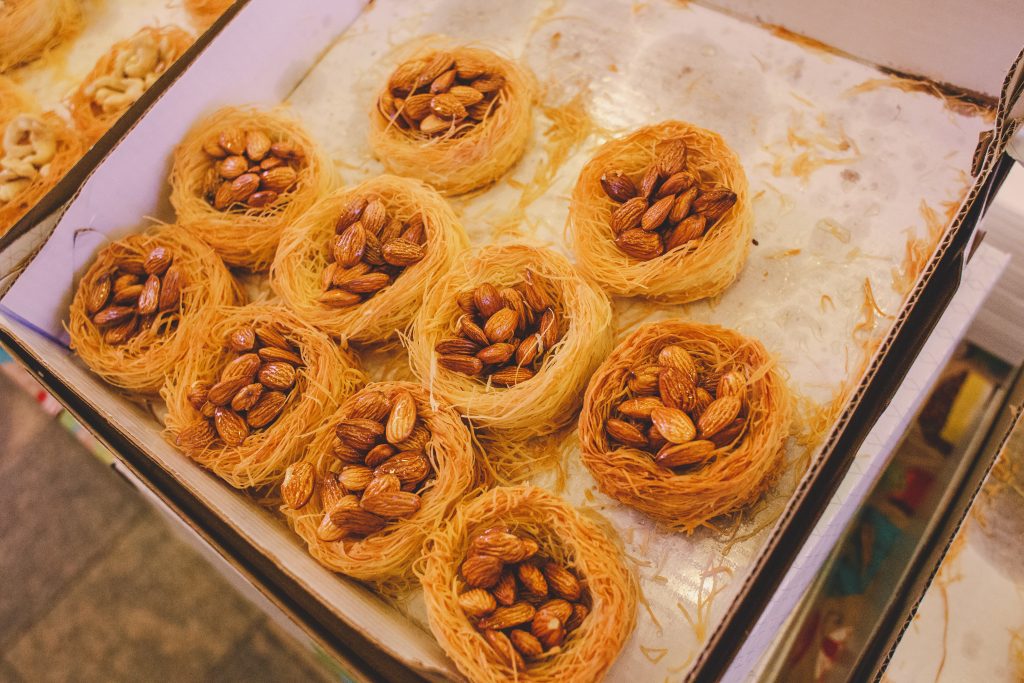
(503, 333)
(251, 392)
(521, 602)
(441, 95)
(680, 411)
(369, 251)
(665, 206)
(248, 170)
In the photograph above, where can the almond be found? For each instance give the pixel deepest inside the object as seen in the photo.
(468, 67)
(232, 141)
(644, 379)
(355, 477)
(579, 613)
(528, 350)
(549, 631)
(726, 436)
(625, 433)
(671, 157)
(640, 408)
(649, 182)
(415, 230)
(297, 487)
(97, 294)
(722, 411)
(242, 339)
(208, 410)
(676, 389)
(731, 384)
(402, 418)
(196, 436)
(434, 124)
(640, 244)
(533, 291)
(369, 404)
(654, 438)
(489, 83)
(618, 186)
(516, 301)
(465, 301)
(701, 402)
(480, 110)
(258, 200)
(122, 331)
(241, 187)
(328, 531)
(505, 589)
(359, 433)
(499, 543)
(506, 617)
(126, 296)
(481, 571)
(466, 365)
(680, 454)
(173, 282)
(271, 354)
(504, 649)
(673, 424)
(477, 602)
(221, 393)
(271, 162)
(370, 283)
(231, 167)
(526, 643)
(230, 425)
(257, 144)
(510, 376)
(392, 504)
(197, 393)
(628, 215)
(549, 328)
(336, 298)
(487, 300)
(715, 202)
(447, 106)
(133, 266)
(562, 582)
(352, 519)
(689, 229)
(401, 252)
(269, 336)
(403, 78)
(277, 375)
(656, 215)
(532, 579)
(501, 326)
(348, 247)
(278, 179)
(286, 150)
(351, 213)
(457, 345)
(436, 65)
(149, 297)
(266, 409)
(443, 82)
(682, 205)
(473, 331)
(331, 491)
(411, 467)
(375, 216)
(467, 96)
(213, 148)
(676, 183)
(345, 453)
(379, 454)
(558, 608)
(246, 397)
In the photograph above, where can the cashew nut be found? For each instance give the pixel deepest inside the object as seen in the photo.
(29, 146)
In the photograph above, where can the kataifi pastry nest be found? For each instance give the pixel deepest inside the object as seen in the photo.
(328, 373)
(305, 253)
(699, 268)
(122, 75)
(468, 153)
(28, 28)
(563, 536)
(733, 475)
(245, 235)
(550, 398)
(385, 557)
(142, 363)
(52, 148)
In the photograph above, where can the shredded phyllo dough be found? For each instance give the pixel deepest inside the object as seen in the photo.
(134, 319)
(644, 222)
(123, 74)
(365, 495)
(262, 362)
(519, 586)
(357, 263)
(29, 28)
(456, 117)
(462, 334)
(685, 422)
(241, 176)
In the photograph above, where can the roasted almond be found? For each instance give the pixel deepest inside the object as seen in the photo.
(501, 326)
(402, 418)
(690, 228)
(369, 404)
(359, 433)
(403, 78)
(729, 434)
(504, 650)
(559, 608)
(352, 519)
(233, 166)
(197, 393)
(525, 642)
(714, 202)
(433, 124)
(466, 95)
(375, 216)
(649, 182)
(213, 148)
(469, 67)
(258, 200)
(549, 328)
(656, 214)
(370, 283)
(122, 331)
(688, 453)
(677, 389)
(269, 336)
(286, 150)
(644, 379)
(532, 579)
(414, 229)
(221, 393)
(447, 106)
(345, 453)
(618, 186)
(676, 183)
(731, 383)
(487, 300)
(266, 409)
(528, 351)
(331, 490)
(625, 433)
(401, 252)
(640, 408)
(496, 354)
(278, 179)
(246, 397)
(378, 454)
(297, 487)
(722, 411)
(579, 613)
(505, 589)
(241, 187)
(477, 602)
(173, 283)
(473, 331)
(505, 546)
(507, 617)
(277, 375)
(510, 376)
(257, 144)
(466, 365)
(561, 581)
(701, 402)
(457, 345)
(411, 467)
(673, 424)
(337, 298)
(534, 292)
(355, 477)
(671, 157)
(197, 435)
(481, 571)
(348, 247)
(682, 205)
(489, 83)
(640, 244)
(230, 425)
(149, 297)
(242, 340)
(271, 354)
(392, 504)
(433, 67)
(675, 356)
(232, 141)
(443, 82)
(328, 531)
(628, 215)
(548, 630)
(351, 213)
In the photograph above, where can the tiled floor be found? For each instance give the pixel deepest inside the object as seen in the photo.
(95, 587)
